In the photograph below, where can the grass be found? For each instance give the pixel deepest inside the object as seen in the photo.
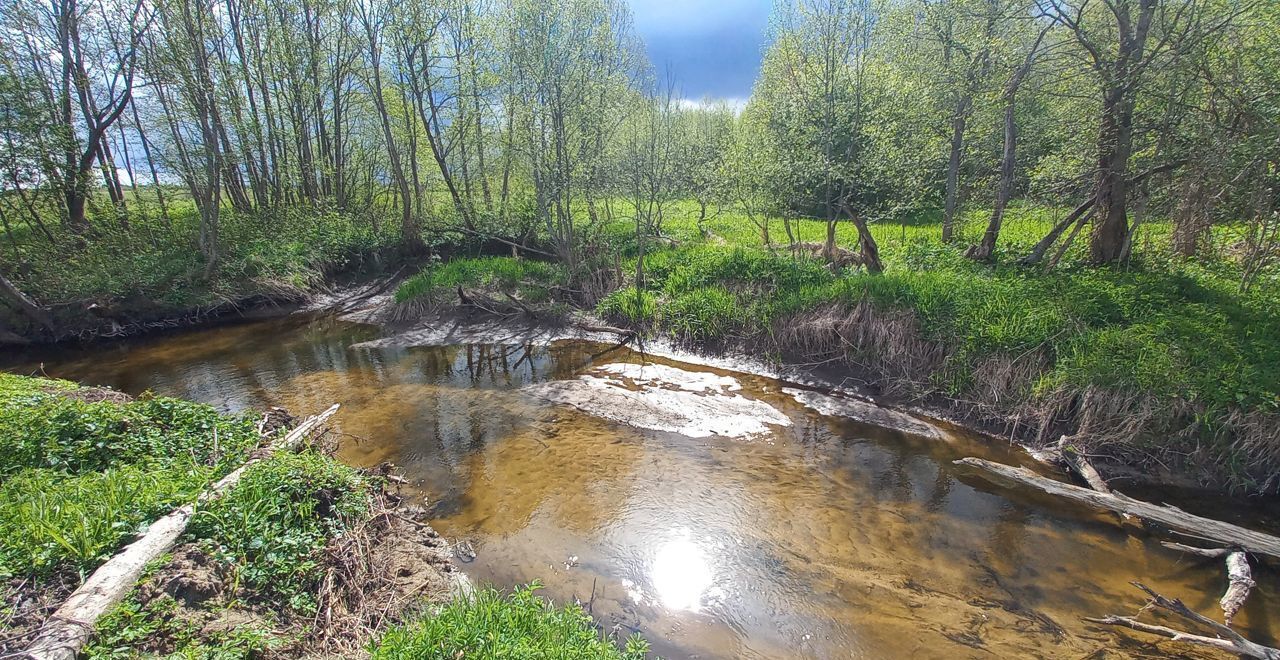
(1192, 355)
(530, 280)
(154, 265)
(490, 625)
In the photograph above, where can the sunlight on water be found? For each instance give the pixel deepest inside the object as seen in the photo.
(681, 573)
(824, 538)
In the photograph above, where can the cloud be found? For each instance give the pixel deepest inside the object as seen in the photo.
(735, 103)
(712, 48)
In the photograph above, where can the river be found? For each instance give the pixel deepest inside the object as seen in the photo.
(818, 537)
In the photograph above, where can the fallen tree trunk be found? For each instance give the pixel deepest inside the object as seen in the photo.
(1169, 516)
(68, 629)
(1230, 640)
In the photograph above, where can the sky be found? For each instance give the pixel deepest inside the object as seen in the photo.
(713, 47)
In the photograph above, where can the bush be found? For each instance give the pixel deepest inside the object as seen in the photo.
(490, 625)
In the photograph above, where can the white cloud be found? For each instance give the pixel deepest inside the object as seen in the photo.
(735, 103)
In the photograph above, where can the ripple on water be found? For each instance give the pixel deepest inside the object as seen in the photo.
(836, 537)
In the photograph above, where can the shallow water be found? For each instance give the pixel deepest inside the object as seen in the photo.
(826, 538)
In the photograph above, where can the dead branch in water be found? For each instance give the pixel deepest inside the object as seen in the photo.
(69, 628)
(1228, 639)
(1239, 576)
(1169, 516)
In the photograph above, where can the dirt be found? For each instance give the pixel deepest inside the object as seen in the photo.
(26, 603)
(387, 568)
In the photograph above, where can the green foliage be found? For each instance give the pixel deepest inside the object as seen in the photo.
(629, 306)
(151, 263)
(490, 625)
(41, 429)
(48, 518)
(707, 313)
(274, 523)
(81, 477)
(131, 625)
(530, 279)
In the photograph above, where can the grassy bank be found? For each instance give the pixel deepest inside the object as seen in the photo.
(1165, 364)
(302, 556)
(151, 269)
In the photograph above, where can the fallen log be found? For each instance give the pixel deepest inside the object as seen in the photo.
(1229, 640)
(68, 629)
(1169, 516)
(1080, 464)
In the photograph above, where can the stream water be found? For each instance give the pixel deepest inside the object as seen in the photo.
(821, 537)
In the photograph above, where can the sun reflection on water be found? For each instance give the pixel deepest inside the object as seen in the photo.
(681, 573)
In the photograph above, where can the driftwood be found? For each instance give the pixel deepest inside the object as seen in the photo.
(68, 629)
(1169, 516)
(1239, 576)
(1228, 639)
(1239, 582)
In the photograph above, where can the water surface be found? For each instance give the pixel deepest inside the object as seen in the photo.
(826, 539)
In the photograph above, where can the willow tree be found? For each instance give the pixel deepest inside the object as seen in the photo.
(1122, 45)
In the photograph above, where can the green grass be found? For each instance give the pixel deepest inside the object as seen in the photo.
(530, 280)
(490, 625)
(81, 477)
(155, 265)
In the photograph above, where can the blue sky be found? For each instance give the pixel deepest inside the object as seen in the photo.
(712, 46)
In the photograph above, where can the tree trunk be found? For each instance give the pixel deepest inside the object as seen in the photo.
(958, 124)
(1111, 226)
(25, 306)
